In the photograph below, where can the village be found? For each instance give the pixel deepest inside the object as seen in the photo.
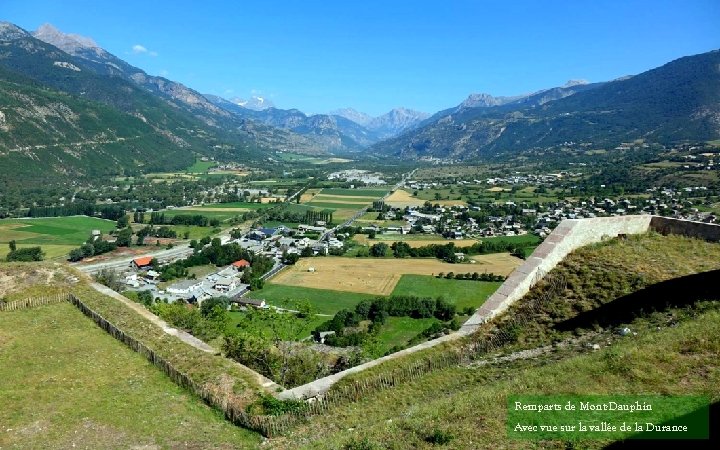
(451, 223)
(279, 244)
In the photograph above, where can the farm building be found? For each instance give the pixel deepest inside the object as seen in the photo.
(141, 263)
(183, 287)
(255, 303)
(225, 284)
(151, 275)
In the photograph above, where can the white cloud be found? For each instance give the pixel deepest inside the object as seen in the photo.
(142, 50)
(164, 73)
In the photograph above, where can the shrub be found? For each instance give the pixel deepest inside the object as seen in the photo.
(439, 437)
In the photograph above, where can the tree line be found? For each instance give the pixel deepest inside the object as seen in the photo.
(111, 212)
(446, 252)
(159, 218)
(345, 322)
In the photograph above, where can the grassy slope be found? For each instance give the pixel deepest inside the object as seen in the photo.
(64, 382)
(200, 366)
(397, 331)
(462, 293)
(469, 403)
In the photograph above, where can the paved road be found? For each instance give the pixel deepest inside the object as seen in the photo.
(177, 252)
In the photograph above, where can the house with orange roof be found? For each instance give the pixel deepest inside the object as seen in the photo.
(141, 263)
(241, 265)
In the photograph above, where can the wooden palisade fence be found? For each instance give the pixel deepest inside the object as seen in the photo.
(32, 302)
(234, 412)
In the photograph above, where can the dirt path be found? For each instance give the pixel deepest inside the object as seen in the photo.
(182, 335)
(187, 338)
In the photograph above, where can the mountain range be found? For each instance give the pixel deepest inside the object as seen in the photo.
(342, 131)
(675, 102)
(70, 106)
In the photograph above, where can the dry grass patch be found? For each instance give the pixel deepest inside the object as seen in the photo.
(379, 276)
(21, 280)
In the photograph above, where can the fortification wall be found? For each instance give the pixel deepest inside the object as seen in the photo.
(571, 234)
(667, 225)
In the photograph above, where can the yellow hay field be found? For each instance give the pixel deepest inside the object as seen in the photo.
(379, 276)
(308, 195)
(402, 198)
(270, 200)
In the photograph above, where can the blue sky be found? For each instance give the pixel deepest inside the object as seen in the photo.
(376, 55)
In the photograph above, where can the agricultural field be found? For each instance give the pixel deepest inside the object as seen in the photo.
(301, 328)
(66, 383)
(460, 195)
(56, 235)
(359, 192)
(308, 159)
(322, 301)
(402, 198)
(222, 214)
(378, 276)
(308, 195)
(244, 206)
(462, 293)
(201, 166)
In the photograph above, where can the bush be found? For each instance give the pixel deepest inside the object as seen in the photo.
(439, 437)
(26, 254)
(274, 407)
(363, 444)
